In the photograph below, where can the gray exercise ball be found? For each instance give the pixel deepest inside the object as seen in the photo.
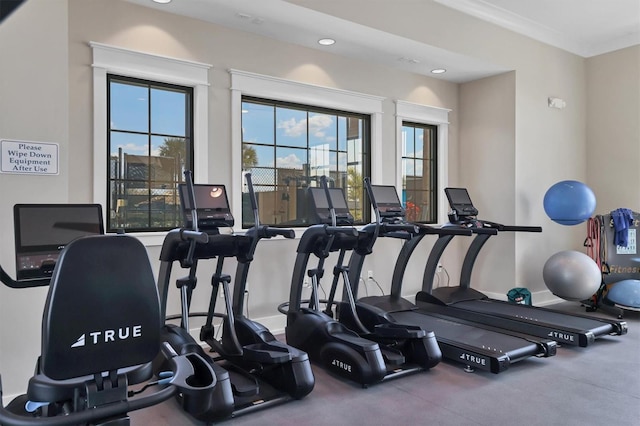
(571, 275)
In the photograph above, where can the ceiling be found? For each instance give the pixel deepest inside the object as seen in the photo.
(583, 27)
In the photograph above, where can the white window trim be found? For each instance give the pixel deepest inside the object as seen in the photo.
(116, 60)
(262, 86)
(424, 114)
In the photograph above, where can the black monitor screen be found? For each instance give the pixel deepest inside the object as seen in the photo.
(212, 206)
(337, 198)
(460, 201)
(386, 197)
(42, 231)
(321, 205)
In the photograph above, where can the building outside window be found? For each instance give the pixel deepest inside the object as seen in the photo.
(287, 147)
(150, 127)
(419, 172)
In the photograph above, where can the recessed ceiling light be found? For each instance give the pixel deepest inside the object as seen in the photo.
(438, 71)
(326, 41)
(162, 1)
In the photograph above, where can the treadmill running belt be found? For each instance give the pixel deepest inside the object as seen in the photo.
(532, 314)
(514, 347)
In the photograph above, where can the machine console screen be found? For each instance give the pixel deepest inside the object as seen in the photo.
(460, 202)
(43, 230)
(387, 199)
(212, 206)
(321, 206)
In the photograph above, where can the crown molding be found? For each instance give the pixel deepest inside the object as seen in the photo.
(532, 29)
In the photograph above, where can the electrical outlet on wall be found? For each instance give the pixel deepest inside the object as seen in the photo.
(369, 275)
(439, 267)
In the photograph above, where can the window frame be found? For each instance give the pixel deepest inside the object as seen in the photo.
(130, 63)
(309, 110)
(430, 115)
(261, 86)
(188, 136)
(433, 154)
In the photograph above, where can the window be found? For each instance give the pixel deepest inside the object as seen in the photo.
(288, 147)
(422, 143)
(419, 172)
(150, 146)
(161, 73)
(296, 96)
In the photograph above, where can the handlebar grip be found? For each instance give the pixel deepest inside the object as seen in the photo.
(521, 228)
(185, 367)
(400, 235)
(341, 230)
(287, 233)
(485, 231)
(270, 232)
(394, 227)
(10, 282)
(197, 236)
(454, 231)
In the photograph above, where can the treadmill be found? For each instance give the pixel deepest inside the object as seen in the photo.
(475, 346)
(466, 303)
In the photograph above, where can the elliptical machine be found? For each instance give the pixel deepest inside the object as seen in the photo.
(355, 355)
(405, 348)
(257, 370)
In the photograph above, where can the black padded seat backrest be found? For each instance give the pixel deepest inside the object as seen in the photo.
(102, 312)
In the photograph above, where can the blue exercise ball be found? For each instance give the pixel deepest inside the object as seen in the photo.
(569, 202)
(572, 275)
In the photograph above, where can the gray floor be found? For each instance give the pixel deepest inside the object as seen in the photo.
(597, 385)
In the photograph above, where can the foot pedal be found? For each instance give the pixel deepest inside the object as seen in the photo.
(266, 353)
(399, 331)
(242, 383)
(392, 357)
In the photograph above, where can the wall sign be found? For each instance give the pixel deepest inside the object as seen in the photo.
(35, 158)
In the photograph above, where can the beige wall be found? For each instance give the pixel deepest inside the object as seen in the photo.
(34, 106)
(506, 145)
(550, 147)
(613, 129)
(487, 148)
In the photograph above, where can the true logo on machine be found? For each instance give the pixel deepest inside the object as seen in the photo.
(107, 336)
(473, 359)
(341, 365)
(562, 336)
